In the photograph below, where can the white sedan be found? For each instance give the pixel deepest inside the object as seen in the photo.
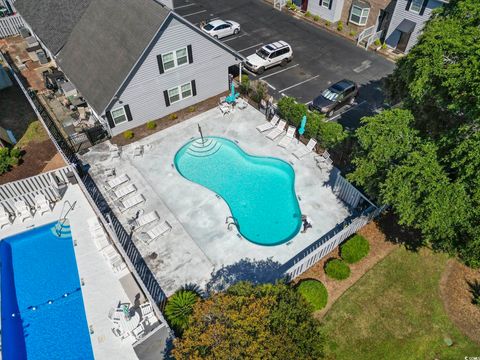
(219, 28)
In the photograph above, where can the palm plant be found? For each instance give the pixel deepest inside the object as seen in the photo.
(179, 308)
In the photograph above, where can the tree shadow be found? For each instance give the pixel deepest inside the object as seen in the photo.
(474, 288)
(399, 234)
(254, 271)
(193, 288)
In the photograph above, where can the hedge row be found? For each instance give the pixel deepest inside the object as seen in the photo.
(328, 134)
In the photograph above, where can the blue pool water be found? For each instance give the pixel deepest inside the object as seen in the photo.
(260, 191)
(37, 267)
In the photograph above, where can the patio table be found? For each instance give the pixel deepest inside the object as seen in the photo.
(129, 324)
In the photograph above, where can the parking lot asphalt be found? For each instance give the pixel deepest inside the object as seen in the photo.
(320, 57)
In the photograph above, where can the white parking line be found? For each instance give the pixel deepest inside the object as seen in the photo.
(278, 72)
(298, 84)
(236, 37)
(184, 6)
(270, 86)
(250, 47)
(343, 112)
(195, 13)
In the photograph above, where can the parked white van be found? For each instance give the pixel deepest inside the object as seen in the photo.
(277, 53)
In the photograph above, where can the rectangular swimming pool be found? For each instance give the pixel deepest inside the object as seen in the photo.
(43, 316)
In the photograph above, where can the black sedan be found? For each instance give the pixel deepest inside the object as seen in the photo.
(335, 97)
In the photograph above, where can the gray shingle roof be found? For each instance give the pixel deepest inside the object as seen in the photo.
(52, 20)
(106, 43)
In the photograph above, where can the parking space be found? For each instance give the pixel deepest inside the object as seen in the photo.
(320, 57)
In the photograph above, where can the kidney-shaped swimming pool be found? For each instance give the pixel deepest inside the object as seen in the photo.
(260, 191)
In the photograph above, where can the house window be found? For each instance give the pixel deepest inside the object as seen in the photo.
(180, 92)
(416, 6)
(175, 59)
(119, 116)
(325, 3)
(358, 15)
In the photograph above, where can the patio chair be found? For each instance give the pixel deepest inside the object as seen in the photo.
(124, 191)
(115, 151)
(5, 217)
(22, 210)
(277, 131)
(304, 150)
(222, 100)
(109, 172)
(139, 331)
(42, 204)
(325, 163)
(131, 202)
(147, 312)
(157, 231)
(138, 151)
(268, 125)
(242, 104)
(287, 139)
(99, 237)
(145, 220)
(117, 181)
(225, 109)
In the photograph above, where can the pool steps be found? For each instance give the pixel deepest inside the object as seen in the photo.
(208, 148)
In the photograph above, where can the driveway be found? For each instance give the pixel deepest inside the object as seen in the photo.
(320, 57)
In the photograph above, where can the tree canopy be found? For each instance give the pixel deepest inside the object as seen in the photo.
(252, 322)
(424, 159)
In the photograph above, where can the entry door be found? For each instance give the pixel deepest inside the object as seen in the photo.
(403, 41)
(304, 5)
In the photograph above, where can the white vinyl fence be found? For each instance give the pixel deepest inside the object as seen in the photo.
(9, 25)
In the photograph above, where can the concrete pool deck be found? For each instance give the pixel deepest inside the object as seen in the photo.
(199, 242)
(102, 288)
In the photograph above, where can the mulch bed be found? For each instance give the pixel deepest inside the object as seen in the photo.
(379, 249)
(36, 157)
(457, 299)
(141, 131)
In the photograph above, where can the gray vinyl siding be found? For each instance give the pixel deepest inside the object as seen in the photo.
(332, 15)
(144, 89)
(400, 13)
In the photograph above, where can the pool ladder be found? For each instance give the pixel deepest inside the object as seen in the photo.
(63, 217)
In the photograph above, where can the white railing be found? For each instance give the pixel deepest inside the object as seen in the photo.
(373, 38)
(9, 25)
(365, 34)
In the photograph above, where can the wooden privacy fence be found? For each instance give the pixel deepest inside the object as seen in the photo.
(10, 25)
(51, 184)
(322, 247)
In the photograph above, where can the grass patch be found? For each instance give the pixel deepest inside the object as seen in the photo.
(34, 133)
(354, 249)
(337, 269)
(314, 292)
(395, 312)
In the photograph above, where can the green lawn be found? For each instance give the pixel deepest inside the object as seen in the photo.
(34, 132)
(395, 312)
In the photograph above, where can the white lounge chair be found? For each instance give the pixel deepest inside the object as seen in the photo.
(139, 331)
(99, 237)
(131, 202)
(138, 150)
(23, 211)
(147, 313)
(268, 125)
(304, 150)
(5, 217)
(157, 231)
(117, 181)
(42, 204)
(115, 151)
(124, 191)
(287, 139)
(145, 219)
(277, 131)
(242, 104)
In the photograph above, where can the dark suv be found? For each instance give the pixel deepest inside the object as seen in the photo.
(336, 96)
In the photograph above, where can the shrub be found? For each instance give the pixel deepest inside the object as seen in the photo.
(308, 14)
(314, 119)
(151, 125)
(354, 249)
(337, 269)
(340, 26)
(173, 116)
(245, 85)
(377, 42)
(328, 23)
(384, 46)
(192, 109)
(316, 18)
(292, 111)
(258, 91)
(352, 33)
(314, 292)
(8, 158)
(475, 291)
(291, 6)
(330, 134)
(128, 134)
(179, 308)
